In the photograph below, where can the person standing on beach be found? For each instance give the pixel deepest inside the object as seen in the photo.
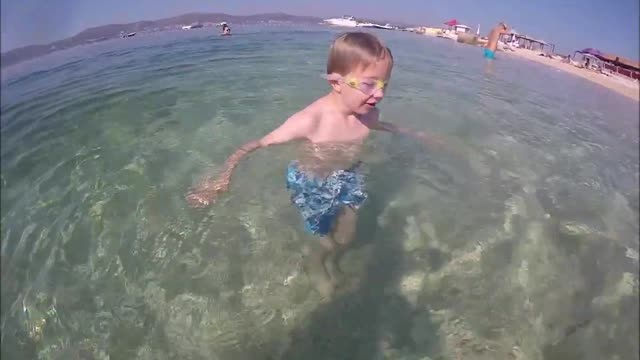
(494, 36)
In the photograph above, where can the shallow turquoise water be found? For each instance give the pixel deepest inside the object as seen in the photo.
(526, 247)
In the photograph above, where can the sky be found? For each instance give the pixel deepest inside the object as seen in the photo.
(610, 26)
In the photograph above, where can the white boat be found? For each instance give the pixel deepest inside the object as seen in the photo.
(345, 21)
(386, 26)
(448, 35)
(461, 29)
(366, 25)
(377, 26)
(192, 26)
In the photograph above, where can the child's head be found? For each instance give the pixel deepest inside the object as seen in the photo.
(359, 66)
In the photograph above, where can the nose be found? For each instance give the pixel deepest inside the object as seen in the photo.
(378, 94)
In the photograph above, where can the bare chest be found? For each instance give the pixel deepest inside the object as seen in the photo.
(332, 132)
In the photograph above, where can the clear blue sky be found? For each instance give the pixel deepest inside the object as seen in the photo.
(611, 26)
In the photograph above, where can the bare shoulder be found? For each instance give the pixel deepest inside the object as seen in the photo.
(300, 125)
(315, 114)
(308, 117)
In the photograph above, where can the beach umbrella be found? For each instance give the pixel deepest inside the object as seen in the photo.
(452, 22)
(591, 51)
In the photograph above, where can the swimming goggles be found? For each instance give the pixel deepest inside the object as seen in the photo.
(366, 86)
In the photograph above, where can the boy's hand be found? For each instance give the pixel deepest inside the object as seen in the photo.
(437, 142)
(207, 192)
(430, 139)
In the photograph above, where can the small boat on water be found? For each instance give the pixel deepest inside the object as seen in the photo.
(375, 26)
(447, 34)
(385, 27)
(123, 35)
(366, 25)
(192, 26)
(455, 28)
(345, 21)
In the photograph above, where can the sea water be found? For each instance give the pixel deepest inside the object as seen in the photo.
(518, 240)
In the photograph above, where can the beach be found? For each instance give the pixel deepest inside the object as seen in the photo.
(518, 239)
(622, 85)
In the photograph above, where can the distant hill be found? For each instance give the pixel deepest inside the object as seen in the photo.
(106, 32)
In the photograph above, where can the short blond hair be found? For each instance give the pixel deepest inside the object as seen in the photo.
(356, 50)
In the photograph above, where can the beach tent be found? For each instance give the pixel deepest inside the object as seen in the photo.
(527, 42)
(510, 36)
(614, 63)
(591, 51)
(591, 61)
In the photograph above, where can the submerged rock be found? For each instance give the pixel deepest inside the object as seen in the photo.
(479, 164)
(514, 207)
(411, 286)
(415, 239)
(632, 254)
(575, 229)
(626, 286)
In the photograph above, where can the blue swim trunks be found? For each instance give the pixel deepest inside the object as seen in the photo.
(489, 54)
(320, 200)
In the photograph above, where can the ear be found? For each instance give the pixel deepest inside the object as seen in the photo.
(336, 86)
(334, 81)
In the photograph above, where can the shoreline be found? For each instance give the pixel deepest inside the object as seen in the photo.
(619, 84)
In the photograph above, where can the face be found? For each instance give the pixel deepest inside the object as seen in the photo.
(362, 89)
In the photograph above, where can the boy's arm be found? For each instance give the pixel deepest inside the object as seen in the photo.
(392, 128)
(432, 141)
(428, 139)
(296, 127)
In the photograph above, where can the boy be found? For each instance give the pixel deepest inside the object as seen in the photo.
(324, 181)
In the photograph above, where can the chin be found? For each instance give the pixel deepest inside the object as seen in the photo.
(365, 109)
(362, 111)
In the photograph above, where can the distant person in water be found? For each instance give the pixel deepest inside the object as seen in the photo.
(226, 30)
(492, 43)
(325, 182)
